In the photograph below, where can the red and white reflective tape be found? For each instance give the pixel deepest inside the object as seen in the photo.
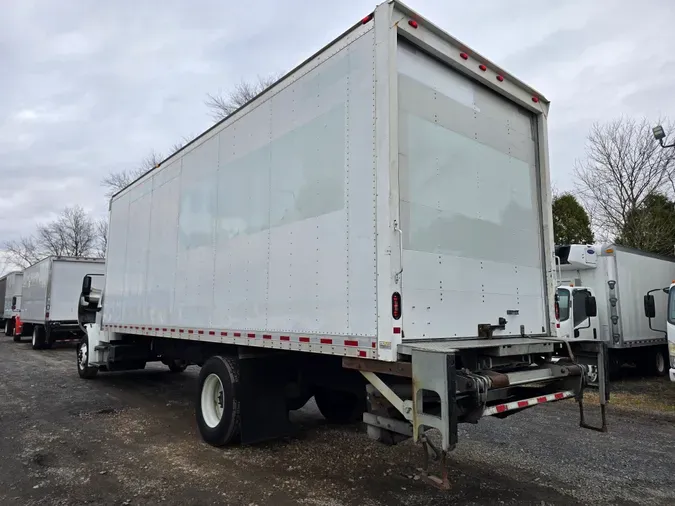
(526, 403)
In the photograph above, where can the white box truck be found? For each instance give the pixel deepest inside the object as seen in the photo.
(618, 278)
(50, 293)
(375, 226)
(10, 295)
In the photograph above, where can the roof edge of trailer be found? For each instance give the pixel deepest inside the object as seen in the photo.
(68, 259)
(635, 251)
(456, 42)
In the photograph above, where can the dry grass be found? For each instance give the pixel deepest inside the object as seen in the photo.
(645, 395)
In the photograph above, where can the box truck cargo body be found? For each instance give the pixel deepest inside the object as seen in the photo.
(383, 208)
(619, 278)
(10, 295)
(51, 289)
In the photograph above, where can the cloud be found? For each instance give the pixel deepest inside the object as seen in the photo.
(90, 87)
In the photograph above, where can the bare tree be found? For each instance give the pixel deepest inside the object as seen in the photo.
(101, 228)
(117, 181)
(224, 104)
(22, 252)
(624, 165)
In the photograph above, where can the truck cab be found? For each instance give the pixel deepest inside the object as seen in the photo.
(650, 313)
(576, 313)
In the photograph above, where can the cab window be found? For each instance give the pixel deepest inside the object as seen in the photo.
(579, 303)
(563, 304)
(671, 306)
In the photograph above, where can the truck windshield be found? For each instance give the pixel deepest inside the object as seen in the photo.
(564, 303)
(671, 305)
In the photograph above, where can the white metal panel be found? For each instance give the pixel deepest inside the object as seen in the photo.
(34, 291)
(636, 274)
(470, 207)
(14, 281)
(66, 284)
(259, 216)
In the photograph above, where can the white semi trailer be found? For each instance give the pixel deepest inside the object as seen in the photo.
(618, 278)
(10, 297)
(373, 230)
(50, 292)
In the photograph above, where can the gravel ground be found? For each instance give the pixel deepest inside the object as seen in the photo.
(130, 438)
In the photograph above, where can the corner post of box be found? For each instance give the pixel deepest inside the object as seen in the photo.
(386, 181)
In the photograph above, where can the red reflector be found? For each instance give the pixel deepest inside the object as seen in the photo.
(163, 330)
(500, 79)
(173, 330)
(326, 341)
(142, 328)
(285, 338)
(191, 331)
(559, 395)
(200, 332)
(156, 329)
(212, 333)
(367, 18)
(541, 399)
(304, 339)
(557, 325)
(482, 67)
(464, 56)
(501, 408)
(397, 330)
(413, 23)
(265, 336)
(181, 331)
(351, 343)
(374, 344)
(362, 353)
(522, 404)
(251, 336)
(47, 314)
(535, 99)
(237, 334)
(223, 333)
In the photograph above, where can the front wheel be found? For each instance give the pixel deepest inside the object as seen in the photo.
(661, 361)
(83, 368)
(217, 409)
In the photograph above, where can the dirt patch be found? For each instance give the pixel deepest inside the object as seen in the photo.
(640, 395)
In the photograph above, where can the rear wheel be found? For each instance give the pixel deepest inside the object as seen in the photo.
(83, 368)
(217, 409)
(38, 337)
(340, 407)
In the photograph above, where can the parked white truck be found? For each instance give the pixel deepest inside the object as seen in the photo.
(618, 278)
(375, 226)
(50, 298)
(10, 295)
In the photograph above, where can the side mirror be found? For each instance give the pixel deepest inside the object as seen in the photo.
(650, 306)
(86, 286)
(666, 289)
(591, 307)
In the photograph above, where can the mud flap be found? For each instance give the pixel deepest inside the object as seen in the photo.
(262, 403)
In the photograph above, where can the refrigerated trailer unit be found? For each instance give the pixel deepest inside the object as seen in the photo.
(618, 278)
(10, 295)
(50, 292)
(377, 221)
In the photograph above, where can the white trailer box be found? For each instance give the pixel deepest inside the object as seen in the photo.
(388, 200)
(51, 289)
(619, 278)
(10, 295)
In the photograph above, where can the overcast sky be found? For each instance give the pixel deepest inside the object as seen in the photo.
(91, 87)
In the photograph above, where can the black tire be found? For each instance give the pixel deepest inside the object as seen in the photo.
(660, 361)
(226, 430)
(9, 327)
(176, 365)
(38, 341)
(340, 407)
(83, 368)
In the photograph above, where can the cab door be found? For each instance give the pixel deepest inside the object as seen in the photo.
(576, 313)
